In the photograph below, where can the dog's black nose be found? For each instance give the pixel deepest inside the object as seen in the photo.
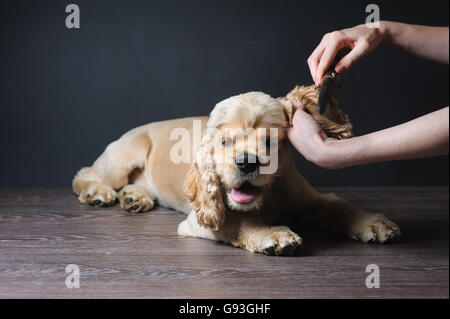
(247, 163)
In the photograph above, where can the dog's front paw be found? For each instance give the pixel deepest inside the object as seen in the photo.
(98, 195)
(376, 229)
(280, 243)
(134, 199)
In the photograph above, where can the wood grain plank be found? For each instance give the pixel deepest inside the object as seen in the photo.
(122, 255)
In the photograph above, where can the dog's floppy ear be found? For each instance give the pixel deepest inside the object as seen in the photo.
(334, 122)
(288, 109)
(202, 185)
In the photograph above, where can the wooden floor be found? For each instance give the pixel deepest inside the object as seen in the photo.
(121, 255)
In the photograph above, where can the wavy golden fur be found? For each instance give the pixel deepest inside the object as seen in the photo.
(202, 186)
(334, 122)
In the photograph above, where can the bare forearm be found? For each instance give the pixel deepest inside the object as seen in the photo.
(426, 136)
(430, 43)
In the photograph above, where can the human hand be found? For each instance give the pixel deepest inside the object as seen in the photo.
(426, 136)
(308, 137)
(360, 39)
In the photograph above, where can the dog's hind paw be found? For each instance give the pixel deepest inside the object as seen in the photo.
(376, 229)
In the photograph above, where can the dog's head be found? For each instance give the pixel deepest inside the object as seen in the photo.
(241, 152)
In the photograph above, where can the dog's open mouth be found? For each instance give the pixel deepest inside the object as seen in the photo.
(244, 194)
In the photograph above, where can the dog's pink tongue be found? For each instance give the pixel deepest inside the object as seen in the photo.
(241, 197)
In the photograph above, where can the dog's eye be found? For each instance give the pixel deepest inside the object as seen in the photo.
(227, 141)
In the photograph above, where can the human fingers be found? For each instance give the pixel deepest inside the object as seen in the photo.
(361, 49)
(313, 61)
(327, 58)
(298, 105)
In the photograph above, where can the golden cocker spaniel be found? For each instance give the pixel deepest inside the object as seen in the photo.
(237, 183)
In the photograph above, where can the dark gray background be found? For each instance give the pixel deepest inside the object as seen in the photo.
(65, 94)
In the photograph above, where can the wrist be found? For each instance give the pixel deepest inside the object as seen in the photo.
(337, 154)
(386, 32)
(330, 154)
